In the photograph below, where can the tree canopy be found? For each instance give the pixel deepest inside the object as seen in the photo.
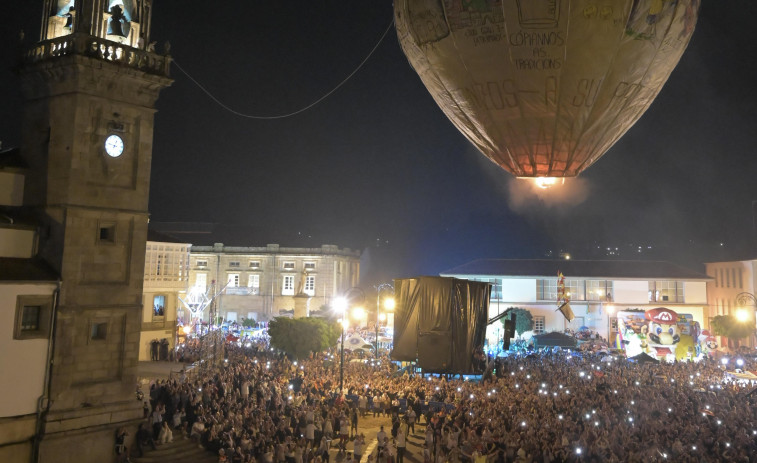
(728, 326)
(524, 321)
(301, 336)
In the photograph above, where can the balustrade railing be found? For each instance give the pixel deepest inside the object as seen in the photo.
(95, 47)
(242, 291)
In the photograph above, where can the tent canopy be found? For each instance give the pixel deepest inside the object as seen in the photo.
(644, 357)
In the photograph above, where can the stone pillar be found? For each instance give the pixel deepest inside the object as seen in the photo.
(301, 305)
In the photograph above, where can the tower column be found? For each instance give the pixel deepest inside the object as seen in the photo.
(88, 136)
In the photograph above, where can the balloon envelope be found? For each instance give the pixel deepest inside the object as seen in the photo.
(544, 87)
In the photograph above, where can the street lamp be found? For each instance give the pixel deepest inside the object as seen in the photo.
(744, 300)
(388, 304)
(341, 304)
(358, 313)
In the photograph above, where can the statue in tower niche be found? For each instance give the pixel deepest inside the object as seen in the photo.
(118, 22)
(70, 17)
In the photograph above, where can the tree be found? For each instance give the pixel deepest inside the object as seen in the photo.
(523, 319)
(728, 326)
(719, 325)
(301, 336)
(249, 322)
(324, 311)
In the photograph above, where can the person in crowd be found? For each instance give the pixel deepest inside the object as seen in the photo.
(166, 435)
(157, 419)
(358, 447)
(410, 418)
(353, 421)
(121, 449)
(401, 444)
(381, 440)
(143, 438)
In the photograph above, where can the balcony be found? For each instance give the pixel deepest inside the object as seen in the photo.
(242, 291)
(98, 48)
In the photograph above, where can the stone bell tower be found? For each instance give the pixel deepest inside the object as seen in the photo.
(90, 86)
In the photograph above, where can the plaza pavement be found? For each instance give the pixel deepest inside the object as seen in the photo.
(370, 426)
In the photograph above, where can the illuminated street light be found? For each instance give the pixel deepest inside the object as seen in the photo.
(744, 300)
(340, 305)
(358, 313)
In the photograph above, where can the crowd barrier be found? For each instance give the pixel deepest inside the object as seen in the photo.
(425, 407)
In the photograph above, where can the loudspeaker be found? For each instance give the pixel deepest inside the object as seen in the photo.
(509, 332)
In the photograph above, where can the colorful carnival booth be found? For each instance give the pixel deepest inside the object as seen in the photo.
(662, 334)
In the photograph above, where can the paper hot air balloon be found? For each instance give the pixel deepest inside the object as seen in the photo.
(544, 87)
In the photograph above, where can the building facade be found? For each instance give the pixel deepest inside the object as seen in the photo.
(264, 282)
(28, 294)
(597, 289)
(165, 282)
(731, 288)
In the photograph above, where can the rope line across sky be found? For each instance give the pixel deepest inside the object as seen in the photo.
(301, 110)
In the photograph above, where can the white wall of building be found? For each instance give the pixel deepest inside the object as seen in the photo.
(519, 289)
(597, 315)
(631, 291)
(22, 361)
(695, 292)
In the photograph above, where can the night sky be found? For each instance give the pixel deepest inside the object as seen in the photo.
(376, 166)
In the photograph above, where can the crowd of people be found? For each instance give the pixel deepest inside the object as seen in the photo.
(260, 406)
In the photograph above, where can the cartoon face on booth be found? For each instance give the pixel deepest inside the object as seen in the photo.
(663, 327)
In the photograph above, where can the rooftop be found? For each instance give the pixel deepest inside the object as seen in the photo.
(13, 269)
(159, 237)
(241, 237)
(598, 269)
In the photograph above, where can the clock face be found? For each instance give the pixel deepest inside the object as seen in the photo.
(114, 146)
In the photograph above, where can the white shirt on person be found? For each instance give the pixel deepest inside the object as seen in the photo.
(357, 447)
(401, 438)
